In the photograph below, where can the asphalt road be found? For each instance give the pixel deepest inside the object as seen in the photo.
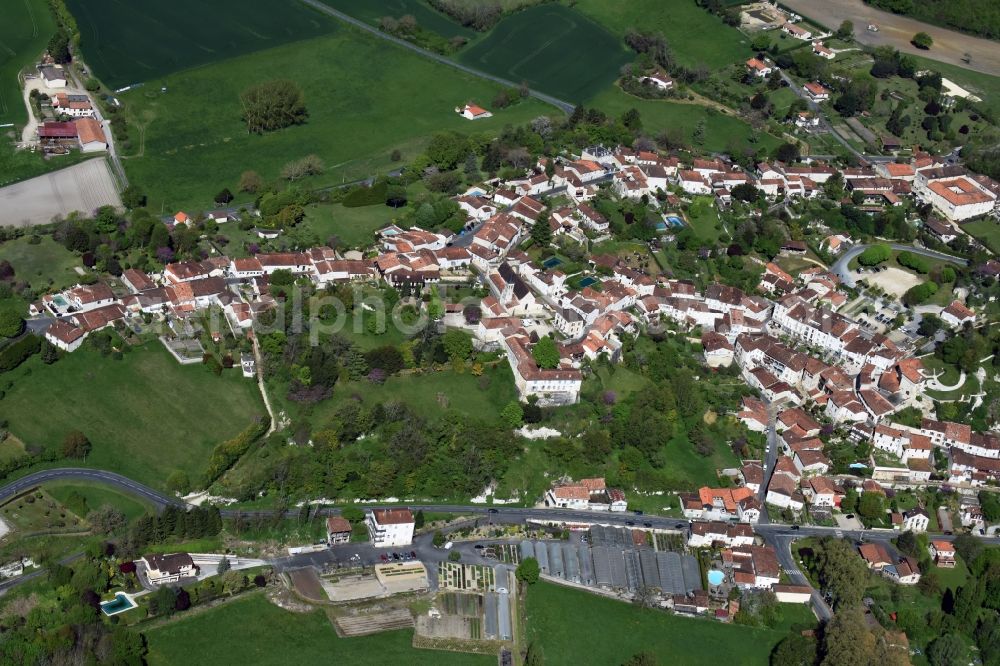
(839, 267)
(779, 536)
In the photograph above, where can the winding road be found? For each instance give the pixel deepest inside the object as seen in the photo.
(779, 536)
(839, 267)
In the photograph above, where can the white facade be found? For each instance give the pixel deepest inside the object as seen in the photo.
(389, 528)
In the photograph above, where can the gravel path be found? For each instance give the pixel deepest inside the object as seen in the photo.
(897, 31)
(83, 187)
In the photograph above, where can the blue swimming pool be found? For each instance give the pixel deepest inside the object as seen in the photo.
(587, 281)
(715, 577)
(552, 262)
(119, 604)
(674, 221)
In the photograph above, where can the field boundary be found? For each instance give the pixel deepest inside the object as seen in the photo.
(560, 104)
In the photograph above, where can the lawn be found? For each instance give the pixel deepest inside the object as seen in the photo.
(82, 497)
(145, 415)
(24, 32)
(45, 265)
(371, 11)
(704, 218)
(687, 469)
(137, 42)
(722, 133)
(555, 49)
(695, 36)
(562, 621)
(365, 98)
(221, 636)
(986, 230)
(355, 227)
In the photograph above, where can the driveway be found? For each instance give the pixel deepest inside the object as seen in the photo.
(896, 31)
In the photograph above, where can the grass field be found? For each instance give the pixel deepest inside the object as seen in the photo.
(47, 264)
(375, 99)
(220, 636)
(461, 392)
(145, 415)
(429, 19)
(25, 30)
(135, 42)
(987, 231)
(37, 511)
(82, 498)
(722, 132)
(355, 227)
(562, 621)
(695, 36)
(555, 49)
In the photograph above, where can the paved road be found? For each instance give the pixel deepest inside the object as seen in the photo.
(897, 31)
(839, 267)
(548, 99)
(118, 481)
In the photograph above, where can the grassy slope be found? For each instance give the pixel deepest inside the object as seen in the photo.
(658, 116)
(695, 36)
(561, 621)
(365, 98)
(24, 32)
(94, 497)
(47, 263)
(220, 636)
(421, 393)
(544, 46)
(145, 415)
(355, 227)
(135, 42)
(985, 230)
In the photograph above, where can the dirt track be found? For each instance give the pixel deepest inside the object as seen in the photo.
(894, 30)
(83, 187)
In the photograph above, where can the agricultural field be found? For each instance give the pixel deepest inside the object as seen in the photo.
(183, 157)
(129, 43)
(145, 415)
(542, 46)
(371, 11)
(36, 511)
(43, 265)
(219, 636)
(24, 33)
(695, 36)
(722, 133)
(561, 620)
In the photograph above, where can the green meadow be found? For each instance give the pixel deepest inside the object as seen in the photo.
(553, 48)
(695, 37)
(252, 630)
(139, 41)
(25, 29)
(145, 415)
(561, 623)
(365, 98)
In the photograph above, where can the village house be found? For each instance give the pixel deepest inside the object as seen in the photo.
(388, 528)
(473, 111)
(338, 530)
(943, 554)
(588, 495)
(957, 315)
(658, 79)
(168, 568)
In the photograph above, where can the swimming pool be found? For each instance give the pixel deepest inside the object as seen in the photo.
(552, 262)
(674, 221)
(119, 604)
(587, 281)
(715, 577)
